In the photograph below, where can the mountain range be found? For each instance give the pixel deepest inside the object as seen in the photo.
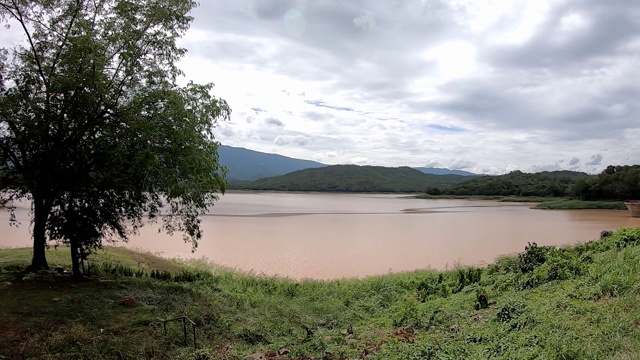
(247, 165)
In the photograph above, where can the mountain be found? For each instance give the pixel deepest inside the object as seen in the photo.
(353, 178)
(440, 171)
(244, 164)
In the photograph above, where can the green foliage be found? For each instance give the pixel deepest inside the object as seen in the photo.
(353, 178)
(568, 204)
(94, 128)
(511, 310)
(482, 299)
(532, 257)
(605, 234)
(467, 277)
(517, 183)
(614, 183)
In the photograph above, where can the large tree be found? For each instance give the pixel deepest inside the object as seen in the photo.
(95, 130)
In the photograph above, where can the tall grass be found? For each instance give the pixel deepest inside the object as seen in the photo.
(578, 302)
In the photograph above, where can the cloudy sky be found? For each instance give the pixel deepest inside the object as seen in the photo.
(486, 86)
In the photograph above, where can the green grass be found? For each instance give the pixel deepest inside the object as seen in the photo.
(532, 199)
(543, 202)
(580, 302)
(567, 204)
(459, 197)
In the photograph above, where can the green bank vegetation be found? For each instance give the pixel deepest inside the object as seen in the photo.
(547, 203)
(579, 302)
(352, 178)
(553, 190)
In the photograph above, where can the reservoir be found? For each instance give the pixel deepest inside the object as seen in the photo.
(328, 236)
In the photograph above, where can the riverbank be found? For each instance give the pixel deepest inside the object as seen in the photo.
(546, 203)
(580, 302)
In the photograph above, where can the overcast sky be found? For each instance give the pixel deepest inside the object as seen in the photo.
(487, 86)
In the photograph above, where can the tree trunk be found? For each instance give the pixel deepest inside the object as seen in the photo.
(75, 259)
(40, 215)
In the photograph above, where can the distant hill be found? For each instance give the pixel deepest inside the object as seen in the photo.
(245, 164)
(353, 178)
(546, 183)
(441, 171)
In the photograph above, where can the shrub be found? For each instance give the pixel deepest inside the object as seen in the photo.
(511, 310)
(605, 234)
(467, 277)
(532, 257)
(482, 300)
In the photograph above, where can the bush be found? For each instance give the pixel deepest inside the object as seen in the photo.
(467, 277)
(605, 234)
(510, 311)
(532, 257)
(559, 264)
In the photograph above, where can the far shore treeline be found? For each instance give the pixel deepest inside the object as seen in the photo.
(615, 183)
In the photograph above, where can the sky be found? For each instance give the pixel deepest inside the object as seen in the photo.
(487, 86)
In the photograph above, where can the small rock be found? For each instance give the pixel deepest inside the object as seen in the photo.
(55, 299)
(256, 356)
(130, 301)
(283, 351)
(270, 354)
(477, 317)
(455, 328)
(59, 269)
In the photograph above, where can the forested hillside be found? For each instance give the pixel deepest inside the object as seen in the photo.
(353, 178)
(614, 183)
(554, 183)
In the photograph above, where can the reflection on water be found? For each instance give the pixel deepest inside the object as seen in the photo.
(324, 236)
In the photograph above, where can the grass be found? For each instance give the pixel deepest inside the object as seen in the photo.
(546, 203)
(580, 302)
(568, 204)
(459, 197)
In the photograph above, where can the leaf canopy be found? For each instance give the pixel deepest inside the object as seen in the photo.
(95, 128)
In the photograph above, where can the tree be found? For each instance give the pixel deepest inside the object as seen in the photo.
(94, 128)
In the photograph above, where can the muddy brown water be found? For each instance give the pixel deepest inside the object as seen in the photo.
(328, 236)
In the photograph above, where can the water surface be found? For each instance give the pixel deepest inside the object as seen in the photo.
(325, 236)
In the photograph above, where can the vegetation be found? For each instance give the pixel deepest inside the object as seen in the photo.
(579, 302)
(552, 190)
(614, 183)
(517, 183)
(547, 203)
(94, 129)
(572, 204)
(353, 178)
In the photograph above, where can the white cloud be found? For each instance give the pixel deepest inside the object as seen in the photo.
(388, 83)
